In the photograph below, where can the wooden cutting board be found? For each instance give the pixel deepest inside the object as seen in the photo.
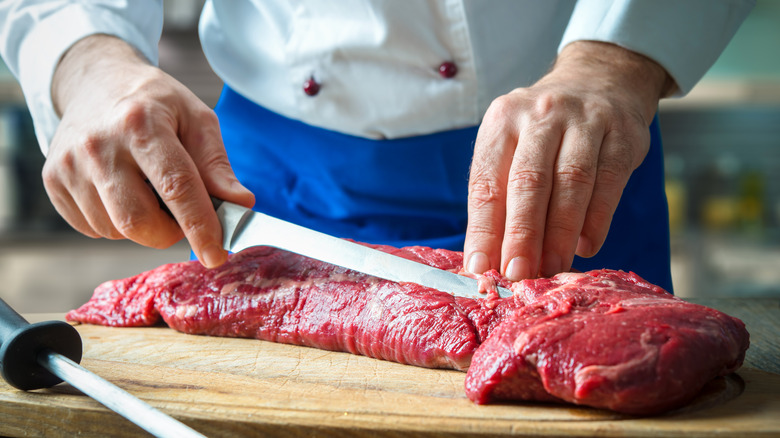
(241, 387)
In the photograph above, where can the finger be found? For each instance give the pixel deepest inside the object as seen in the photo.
(490, 165)
(573, 180)
(134, 210)
(67, 208)
(617, 160)
(176, 179)
(203, 142)
(91, 206)
(528, 196)
(63, 201)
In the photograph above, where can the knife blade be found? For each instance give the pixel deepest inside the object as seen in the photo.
(43, 354)
(243, 228)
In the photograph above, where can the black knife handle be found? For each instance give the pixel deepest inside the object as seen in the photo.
(22, 342)
(216, 202)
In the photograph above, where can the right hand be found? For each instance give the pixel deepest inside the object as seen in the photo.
(125, 122)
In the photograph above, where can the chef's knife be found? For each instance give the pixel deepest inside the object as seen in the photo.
(243, 228)
(43, 354)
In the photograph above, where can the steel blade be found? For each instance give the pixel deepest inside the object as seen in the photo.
(243, 228)
(115, 398)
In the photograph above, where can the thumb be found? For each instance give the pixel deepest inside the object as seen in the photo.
(208, 152)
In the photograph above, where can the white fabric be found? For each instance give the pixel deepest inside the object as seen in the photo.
(684, 36)
(377, 60)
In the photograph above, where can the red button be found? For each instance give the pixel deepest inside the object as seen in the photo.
(448, 70)
(311, 87)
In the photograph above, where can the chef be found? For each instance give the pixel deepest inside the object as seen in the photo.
(521, 132)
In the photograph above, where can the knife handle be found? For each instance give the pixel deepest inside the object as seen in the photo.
(22, 342)
(216, 202)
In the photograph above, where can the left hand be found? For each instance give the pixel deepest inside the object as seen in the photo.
(551, 160)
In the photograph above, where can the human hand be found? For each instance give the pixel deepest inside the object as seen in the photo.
(125, 122)
(551, 161)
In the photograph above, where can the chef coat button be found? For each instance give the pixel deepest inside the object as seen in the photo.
(311, 87)
(448, 70)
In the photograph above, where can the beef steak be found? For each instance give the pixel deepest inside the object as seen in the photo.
(604, 338)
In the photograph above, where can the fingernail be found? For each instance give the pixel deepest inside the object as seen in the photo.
(213, 256)
(518, 269)
(478, 263)
(551, 264)
(584, 247)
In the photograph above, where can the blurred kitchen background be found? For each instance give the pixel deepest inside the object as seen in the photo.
(722, 145)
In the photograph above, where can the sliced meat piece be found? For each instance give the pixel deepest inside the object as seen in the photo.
(278, 296)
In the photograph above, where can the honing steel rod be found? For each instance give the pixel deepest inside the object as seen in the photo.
(44, 354)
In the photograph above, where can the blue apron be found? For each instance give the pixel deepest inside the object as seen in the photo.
(410, 191)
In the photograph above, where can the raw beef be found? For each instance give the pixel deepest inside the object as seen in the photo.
(278, 296)
(604, 338)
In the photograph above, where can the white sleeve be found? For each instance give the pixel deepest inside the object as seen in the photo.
(684, 36)
(35, 34)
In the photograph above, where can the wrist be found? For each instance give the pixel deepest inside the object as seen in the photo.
(619, 69)
(89, 63)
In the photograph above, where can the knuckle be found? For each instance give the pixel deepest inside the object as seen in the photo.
(109, 232)
(50, 175)
(545, 103)
(483, 230)
(133, 113)
(214, 159)
(522, 232)
(177, 186)
(576, 174)
(136, 119)
(92, 145)
(484, 190)
(500, 108)
(195, 229)
(549, 103)
(132, 225)
(504, 112)
(614, 172)
(565, 225)
(631, 145)
(204, 120)
(528, 179)
(206, 116)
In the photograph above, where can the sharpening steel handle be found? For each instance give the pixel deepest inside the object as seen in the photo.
(22, 342)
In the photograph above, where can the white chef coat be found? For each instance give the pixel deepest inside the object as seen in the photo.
(376, 61)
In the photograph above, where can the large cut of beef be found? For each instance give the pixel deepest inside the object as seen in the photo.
(604, 338)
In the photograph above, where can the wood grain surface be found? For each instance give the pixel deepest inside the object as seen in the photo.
(241, 387)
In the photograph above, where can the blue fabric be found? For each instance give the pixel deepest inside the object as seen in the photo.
(638, 238)
(409, 191)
